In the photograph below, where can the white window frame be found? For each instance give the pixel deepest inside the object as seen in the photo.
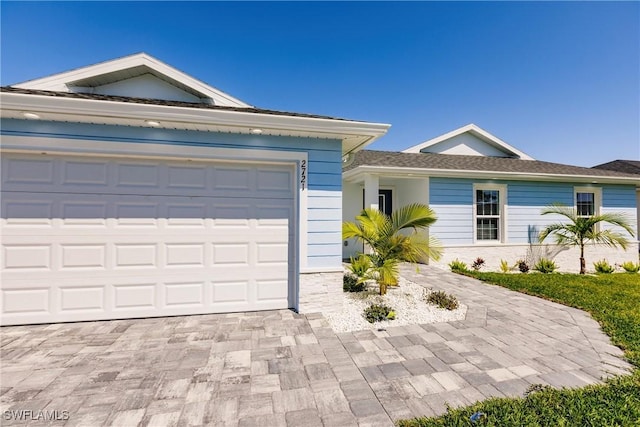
(597, 198)
(502, 219)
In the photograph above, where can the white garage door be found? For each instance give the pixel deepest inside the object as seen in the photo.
(106, 238)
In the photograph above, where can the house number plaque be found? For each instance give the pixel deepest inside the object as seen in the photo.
(303, 174)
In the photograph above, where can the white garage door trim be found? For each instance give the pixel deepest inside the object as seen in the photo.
(86, 149)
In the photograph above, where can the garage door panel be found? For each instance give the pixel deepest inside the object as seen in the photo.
(184, 294)
(144, 177)
(80, 244)
(31, 300)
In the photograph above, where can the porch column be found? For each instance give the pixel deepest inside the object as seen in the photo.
(371, 185)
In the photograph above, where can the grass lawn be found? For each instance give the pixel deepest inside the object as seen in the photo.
(614, 301)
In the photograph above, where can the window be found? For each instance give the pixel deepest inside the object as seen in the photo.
(489, 207)
(585, 204)
(587, 200)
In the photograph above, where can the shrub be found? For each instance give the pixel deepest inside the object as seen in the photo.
(545, 265)
(504, 266)
(350, 283)
(442, 300)
(378, 312)
(631, 267)
(522, 266)
(477, 264)
(603, 267)
(458, 266)
(360, 266)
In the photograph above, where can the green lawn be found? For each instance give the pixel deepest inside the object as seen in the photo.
(614, 301)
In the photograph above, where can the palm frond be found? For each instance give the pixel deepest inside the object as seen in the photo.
(414, 216)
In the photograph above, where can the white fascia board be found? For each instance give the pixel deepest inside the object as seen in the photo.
(357, 174)
(59, 82)
(354, 135)
(474, 130)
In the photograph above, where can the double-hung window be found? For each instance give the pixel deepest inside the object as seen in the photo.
(587, 201)
(489, 212)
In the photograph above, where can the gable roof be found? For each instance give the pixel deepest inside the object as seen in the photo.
(84, 79)
(627, 166)
(475, 131)
(62, 98)
(432, 164)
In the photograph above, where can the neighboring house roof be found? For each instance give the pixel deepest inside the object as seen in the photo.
(431, 164)
(141, 91)
(105, 74)
(453, 143)
(626, 166)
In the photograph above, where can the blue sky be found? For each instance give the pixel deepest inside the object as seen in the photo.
(560, 81)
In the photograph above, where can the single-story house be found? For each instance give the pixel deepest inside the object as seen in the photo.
(626, 166)
(488, 197)
(131, 189)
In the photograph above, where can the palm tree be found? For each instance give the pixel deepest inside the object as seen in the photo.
(580, 230)
(388, 244)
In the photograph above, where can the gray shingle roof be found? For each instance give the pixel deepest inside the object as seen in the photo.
(97, 97)
(626, 166)
(473, 163)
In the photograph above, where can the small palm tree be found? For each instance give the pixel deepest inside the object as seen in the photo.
(389, 246)
(580, 230)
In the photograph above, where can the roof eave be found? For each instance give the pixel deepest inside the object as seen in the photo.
(357, 173)
(354, 135)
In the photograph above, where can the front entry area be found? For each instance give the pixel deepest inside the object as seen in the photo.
(93, 238)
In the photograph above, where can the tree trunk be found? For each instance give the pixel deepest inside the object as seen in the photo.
(583, 266)
(383, 289)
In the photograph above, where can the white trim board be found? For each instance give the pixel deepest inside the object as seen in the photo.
(354, 135)
(65, 81)
(355, 175)
(478, 133)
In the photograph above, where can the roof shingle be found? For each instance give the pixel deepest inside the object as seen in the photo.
(473, 163)
(98, 97)
(626, 166)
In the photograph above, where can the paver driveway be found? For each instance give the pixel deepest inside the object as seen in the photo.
(280, 368)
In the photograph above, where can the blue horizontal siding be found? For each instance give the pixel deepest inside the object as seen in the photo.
(452, 200)
(619, 196)
(324, 168)
(539, 193)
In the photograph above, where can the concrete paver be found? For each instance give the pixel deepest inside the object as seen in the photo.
(279, 368)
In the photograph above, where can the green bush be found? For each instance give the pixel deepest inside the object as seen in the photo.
(603, 267)
(504, 266)
(458, 266)
(522, 266)
(545, 265)
(631, 267)
(350, 283)
(360, 267)
(442, 300)
(378, 312)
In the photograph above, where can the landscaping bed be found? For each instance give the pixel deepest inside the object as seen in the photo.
(406, 300)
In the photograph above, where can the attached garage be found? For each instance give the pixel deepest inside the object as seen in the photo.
(99, 238)
(115, 207)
